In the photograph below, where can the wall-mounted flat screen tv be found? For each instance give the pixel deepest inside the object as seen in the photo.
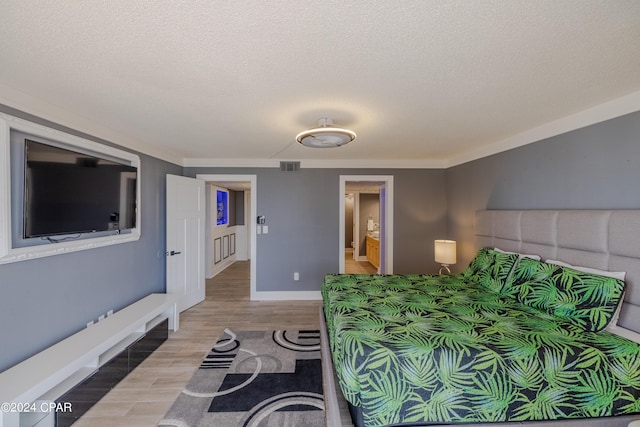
(68, 192)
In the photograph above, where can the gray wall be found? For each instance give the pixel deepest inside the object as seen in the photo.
(302, 212)
(596, 167)
(45, 300)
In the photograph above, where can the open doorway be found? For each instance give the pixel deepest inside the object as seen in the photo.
(224, 241)
(366, 224)
(362, 227)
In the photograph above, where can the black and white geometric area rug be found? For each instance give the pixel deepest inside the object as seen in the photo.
(255, 379)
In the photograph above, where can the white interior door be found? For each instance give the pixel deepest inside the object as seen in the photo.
(185, 240)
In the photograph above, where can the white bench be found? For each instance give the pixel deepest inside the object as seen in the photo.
(49, 374)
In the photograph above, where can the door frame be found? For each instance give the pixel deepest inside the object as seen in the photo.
(388, 217)
(253, 180)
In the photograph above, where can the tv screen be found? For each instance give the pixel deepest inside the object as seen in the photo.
(67, 192)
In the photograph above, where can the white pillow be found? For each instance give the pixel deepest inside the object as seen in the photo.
(620, 275)
(535, 257)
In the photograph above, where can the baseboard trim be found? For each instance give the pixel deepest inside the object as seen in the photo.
(286, 296)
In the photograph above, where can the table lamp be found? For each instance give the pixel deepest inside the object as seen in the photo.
(445, 251)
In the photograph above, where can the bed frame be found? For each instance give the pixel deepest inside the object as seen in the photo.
(602, 239)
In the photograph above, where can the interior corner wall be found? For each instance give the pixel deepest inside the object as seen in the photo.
(45, 300)
(239, 207)
(596, 167)
(302, 211)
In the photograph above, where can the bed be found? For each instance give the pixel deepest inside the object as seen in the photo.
(512, 341)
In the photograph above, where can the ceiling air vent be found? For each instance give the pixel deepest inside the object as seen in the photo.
(289, 166)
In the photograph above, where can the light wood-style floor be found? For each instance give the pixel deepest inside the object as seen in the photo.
(357, 267)
(146, 394)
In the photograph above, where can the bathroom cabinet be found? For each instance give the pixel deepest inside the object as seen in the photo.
(373, 251)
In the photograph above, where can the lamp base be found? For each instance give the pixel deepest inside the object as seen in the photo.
(446, 268)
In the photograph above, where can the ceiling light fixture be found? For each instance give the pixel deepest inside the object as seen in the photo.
(325, 135)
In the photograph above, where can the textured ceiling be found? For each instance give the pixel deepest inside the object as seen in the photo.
(418, 80)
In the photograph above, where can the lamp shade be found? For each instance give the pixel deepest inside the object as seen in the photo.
(445, 251)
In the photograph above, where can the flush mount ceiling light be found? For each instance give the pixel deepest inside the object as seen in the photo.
(325, 135)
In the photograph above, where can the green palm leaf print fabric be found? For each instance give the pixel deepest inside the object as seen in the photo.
(417, 348)
(491, 268)
(584, 299)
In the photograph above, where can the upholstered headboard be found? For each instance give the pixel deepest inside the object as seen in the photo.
(602, 239)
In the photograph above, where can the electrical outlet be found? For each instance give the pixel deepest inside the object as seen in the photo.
(89, 323)
(101, 318)
(109, 313)
(296, 276)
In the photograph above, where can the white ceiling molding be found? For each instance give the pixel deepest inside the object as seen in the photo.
(600, 113)
(615, 108)
(231, 163)
(37, 107)
(372, 164)
(318, 163)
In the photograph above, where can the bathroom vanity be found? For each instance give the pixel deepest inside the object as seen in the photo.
(373, 250)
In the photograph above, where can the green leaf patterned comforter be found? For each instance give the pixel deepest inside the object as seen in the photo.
(417, 348)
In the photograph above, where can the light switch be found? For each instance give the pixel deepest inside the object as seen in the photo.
(259, 229)
(265, 229)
